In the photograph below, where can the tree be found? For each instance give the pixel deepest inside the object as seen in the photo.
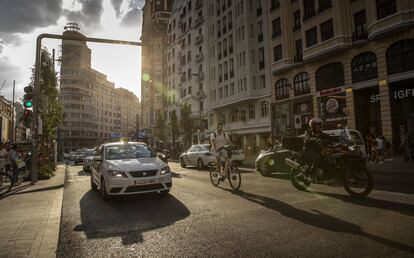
(186, 123)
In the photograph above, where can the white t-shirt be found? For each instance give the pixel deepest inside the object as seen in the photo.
(220, 139)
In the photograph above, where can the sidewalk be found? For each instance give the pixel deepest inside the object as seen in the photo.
(30, 218)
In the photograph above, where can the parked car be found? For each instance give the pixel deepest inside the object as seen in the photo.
(88, 160)
(124, 168)
(197, 155)
(79, 156)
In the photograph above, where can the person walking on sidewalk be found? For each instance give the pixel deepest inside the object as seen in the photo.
(13, 156)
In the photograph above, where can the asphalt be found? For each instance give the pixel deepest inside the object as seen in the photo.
(266, 218)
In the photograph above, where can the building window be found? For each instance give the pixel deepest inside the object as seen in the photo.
(311, 37)
(301, 84)
(309, 8)
(324, 4)
(360, 20)
(226, 91)
(277, 53)
(364, 67)
(261, 58)
(262, 81)
(296, 21)
(400, 56)
(330, 76)
(232, 89)
(276, 28)
(220, 93)
(385, 8)
(265, 108)
(251, 112)
(327, 30)
(298, 51)
(282, 89)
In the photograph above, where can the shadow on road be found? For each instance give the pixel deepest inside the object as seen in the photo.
(128, 217)
(319, 219)
(403, 208)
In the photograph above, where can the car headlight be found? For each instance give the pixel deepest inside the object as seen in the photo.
(165, 170)
(116, 173)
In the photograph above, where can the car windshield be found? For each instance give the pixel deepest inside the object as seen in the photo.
(128, 151)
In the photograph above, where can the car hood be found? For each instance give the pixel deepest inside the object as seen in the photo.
(136, 164)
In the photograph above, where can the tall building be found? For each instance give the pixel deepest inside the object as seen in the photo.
(187, 63)
(239, 71)
(93, 108)
(130, 111)
(6, 114)
(348, 62)
(156, 15)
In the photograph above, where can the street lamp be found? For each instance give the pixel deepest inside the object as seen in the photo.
(200, 96)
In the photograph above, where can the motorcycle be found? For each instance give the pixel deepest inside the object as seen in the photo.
(272, 159)
(164, 155)
(338, 161)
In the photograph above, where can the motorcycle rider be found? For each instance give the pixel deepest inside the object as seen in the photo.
(315, 139)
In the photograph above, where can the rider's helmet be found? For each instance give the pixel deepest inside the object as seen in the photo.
(316, 121)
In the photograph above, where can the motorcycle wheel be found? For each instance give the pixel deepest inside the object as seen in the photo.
(298, 180)
(358, 177)
(264, 170)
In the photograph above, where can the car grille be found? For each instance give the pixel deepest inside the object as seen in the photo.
(145, 173)
(141, 188)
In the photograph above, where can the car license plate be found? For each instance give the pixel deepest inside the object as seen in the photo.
(144, 181)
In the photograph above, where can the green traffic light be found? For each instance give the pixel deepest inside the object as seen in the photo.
(28, 104)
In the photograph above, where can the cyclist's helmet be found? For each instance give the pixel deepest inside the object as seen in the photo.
(315, 121)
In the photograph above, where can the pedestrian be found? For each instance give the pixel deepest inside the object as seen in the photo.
(387, 146)
(13, 156)
(374, 150)
(380, 149)
(369, 140)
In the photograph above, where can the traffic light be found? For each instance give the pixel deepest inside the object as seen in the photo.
(28, 105)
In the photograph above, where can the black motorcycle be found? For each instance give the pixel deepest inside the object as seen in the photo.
(272, 159)
(337, 161)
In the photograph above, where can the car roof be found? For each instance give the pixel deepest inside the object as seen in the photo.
(120, 143)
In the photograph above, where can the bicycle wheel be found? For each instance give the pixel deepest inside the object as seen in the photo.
(234, 178)
(214, 175)
(5, 183)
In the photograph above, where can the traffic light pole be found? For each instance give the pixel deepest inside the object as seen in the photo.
(36, 89)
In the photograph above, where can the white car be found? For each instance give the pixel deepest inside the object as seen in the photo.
(88, 160)
(197, 155)
(125, 168)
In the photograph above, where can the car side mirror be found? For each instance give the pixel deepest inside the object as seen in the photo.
(97, 158)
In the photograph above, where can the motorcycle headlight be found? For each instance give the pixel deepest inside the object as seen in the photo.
(117, 174)
(165, 170)
(352, 148)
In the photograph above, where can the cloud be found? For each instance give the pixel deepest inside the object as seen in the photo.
(132, 18)
(9, 72)
(90, 14)
(136, 3)
(116, 4)
(10, 38)
(22, 16)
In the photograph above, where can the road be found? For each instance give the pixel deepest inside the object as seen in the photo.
(267, 217)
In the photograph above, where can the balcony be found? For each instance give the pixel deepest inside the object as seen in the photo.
(259, 11)
(199, 39)
(199, 57)
(198, 4)
(328, 47)
(260, 37)
(357, 36)
(390, 24)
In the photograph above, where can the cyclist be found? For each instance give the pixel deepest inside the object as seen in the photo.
(219, 139)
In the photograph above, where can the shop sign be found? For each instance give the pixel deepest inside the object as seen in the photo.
(397, 95)
(332, 106)
(374, 98)
(330, 91)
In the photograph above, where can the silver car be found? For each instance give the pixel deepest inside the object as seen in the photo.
(125, 168)
(197, 155)
(88, 160)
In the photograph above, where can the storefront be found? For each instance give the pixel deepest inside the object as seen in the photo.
(368, 101)
(402, 109)
(332, 107)
(302, 113)
(281, 118)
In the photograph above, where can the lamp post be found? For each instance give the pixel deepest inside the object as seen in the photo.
(200, 96)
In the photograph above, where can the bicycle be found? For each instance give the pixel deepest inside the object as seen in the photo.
(232, 172)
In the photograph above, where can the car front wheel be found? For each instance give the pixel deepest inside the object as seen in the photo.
(182, 163)
(104, 194)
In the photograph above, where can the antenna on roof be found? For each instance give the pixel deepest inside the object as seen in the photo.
(2, 85)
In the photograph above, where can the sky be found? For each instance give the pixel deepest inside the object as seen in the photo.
(21, 21)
